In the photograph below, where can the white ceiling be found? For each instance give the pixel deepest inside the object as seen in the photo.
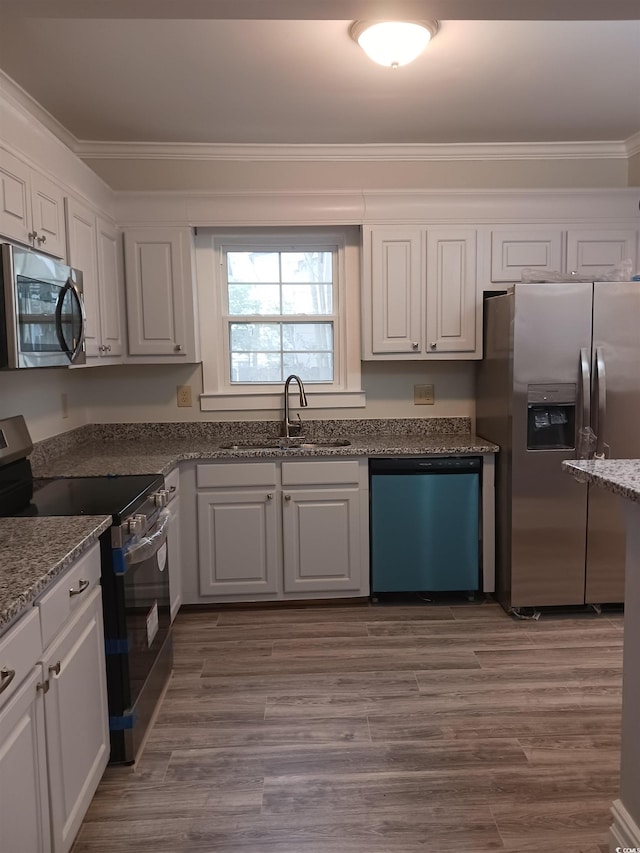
(229, 81)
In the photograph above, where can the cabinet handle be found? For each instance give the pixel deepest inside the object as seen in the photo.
(415, 344)
(42, 239)
(82, 585)
(433, 345)
(43, 685)
(55, 669)
(178, 348)
(32, 236)
(287, 497)
(6, 677)
(173, 489)
(269, 496)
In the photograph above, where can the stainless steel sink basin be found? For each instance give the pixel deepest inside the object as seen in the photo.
(285, 444)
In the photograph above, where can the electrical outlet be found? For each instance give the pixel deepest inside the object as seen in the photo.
(64, 404)
(424, 395)
(184, 395)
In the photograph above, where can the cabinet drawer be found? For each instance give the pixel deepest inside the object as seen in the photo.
(20, 648)
(69, 593)
(320, 472)
(237, 474)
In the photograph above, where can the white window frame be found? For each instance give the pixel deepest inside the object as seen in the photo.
(219, 393)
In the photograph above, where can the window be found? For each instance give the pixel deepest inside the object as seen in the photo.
(273, 303)
(280, 315)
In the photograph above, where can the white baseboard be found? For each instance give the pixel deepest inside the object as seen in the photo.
(625, 832)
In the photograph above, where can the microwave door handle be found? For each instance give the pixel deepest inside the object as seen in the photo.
(72, 352)
(582, 444)
(601, 395)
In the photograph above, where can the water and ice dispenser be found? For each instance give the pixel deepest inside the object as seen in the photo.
(551, 416)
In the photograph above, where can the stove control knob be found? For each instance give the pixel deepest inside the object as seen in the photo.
(160, 498)
(136, 525)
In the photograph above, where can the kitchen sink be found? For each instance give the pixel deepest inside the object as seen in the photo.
(285, 444)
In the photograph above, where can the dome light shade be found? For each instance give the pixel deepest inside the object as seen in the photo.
(393, 43)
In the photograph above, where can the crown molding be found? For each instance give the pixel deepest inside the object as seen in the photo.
(25, 102)
(89, 150)
(633, 145)
(418, 152)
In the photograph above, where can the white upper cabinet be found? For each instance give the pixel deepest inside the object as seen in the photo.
(572, 250)
(513, 251)
(591, 251)
(452, 307)
(160, 295)
(94, 248)
(419, 293)
(31, 207)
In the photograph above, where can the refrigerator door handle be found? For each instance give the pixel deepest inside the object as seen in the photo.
(602, 449)
(584, 444)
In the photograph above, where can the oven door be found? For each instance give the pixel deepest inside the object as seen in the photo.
(137, 636)
(45, 317)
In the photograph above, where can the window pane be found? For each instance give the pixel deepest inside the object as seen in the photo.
(309, 366)
(307, 299)
(254, 299)
(307, 266)
(307, 336)
(253, 266)
(254, 337)
(256, 367)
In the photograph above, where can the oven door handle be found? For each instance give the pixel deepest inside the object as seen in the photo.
(146, 547)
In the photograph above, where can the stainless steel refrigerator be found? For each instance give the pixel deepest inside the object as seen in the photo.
(560, 379)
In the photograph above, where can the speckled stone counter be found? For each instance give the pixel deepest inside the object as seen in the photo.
(157, 448)
(34, 551)
(620, 476)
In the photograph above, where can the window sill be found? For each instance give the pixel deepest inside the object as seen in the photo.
(272, 400)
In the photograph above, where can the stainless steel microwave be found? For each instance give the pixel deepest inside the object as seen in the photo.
(42, 317)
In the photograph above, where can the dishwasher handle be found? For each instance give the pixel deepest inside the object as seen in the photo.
(426, 465)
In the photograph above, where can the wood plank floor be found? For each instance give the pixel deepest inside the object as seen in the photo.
(375, 729)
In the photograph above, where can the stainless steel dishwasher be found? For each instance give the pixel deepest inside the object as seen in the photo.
(425, 524)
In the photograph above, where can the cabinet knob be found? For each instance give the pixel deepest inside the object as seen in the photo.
(108, 348)
(269, 496)
(55, 669)
(178, 348)
(41, 240)
(287, 497)
(415, 344)
(433, 345)
(43, 685)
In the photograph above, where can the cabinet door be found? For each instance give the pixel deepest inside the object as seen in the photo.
(238, 542)
(513, 251)
(24, 807)
(159, 288)
(15, 198)
(452, 302)
(321, 540)
(393, 299)
(76, 718)
(589, 252)
(47, 208)
(82, 254)
(111, 289)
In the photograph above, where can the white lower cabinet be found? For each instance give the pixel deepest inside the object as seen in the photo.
(271, 530)
(24, 802)
(54, 734)
(76, 718)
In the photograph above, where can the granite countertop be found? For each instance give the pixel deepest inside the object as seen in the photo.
(620, 476)
(146, 456)
(34, 551)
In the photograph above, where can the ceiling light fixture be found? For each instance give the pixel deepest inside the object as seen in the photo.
(393, 43)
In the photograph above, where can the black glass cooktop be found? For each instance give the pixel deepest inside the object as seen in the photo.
(118, 496)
